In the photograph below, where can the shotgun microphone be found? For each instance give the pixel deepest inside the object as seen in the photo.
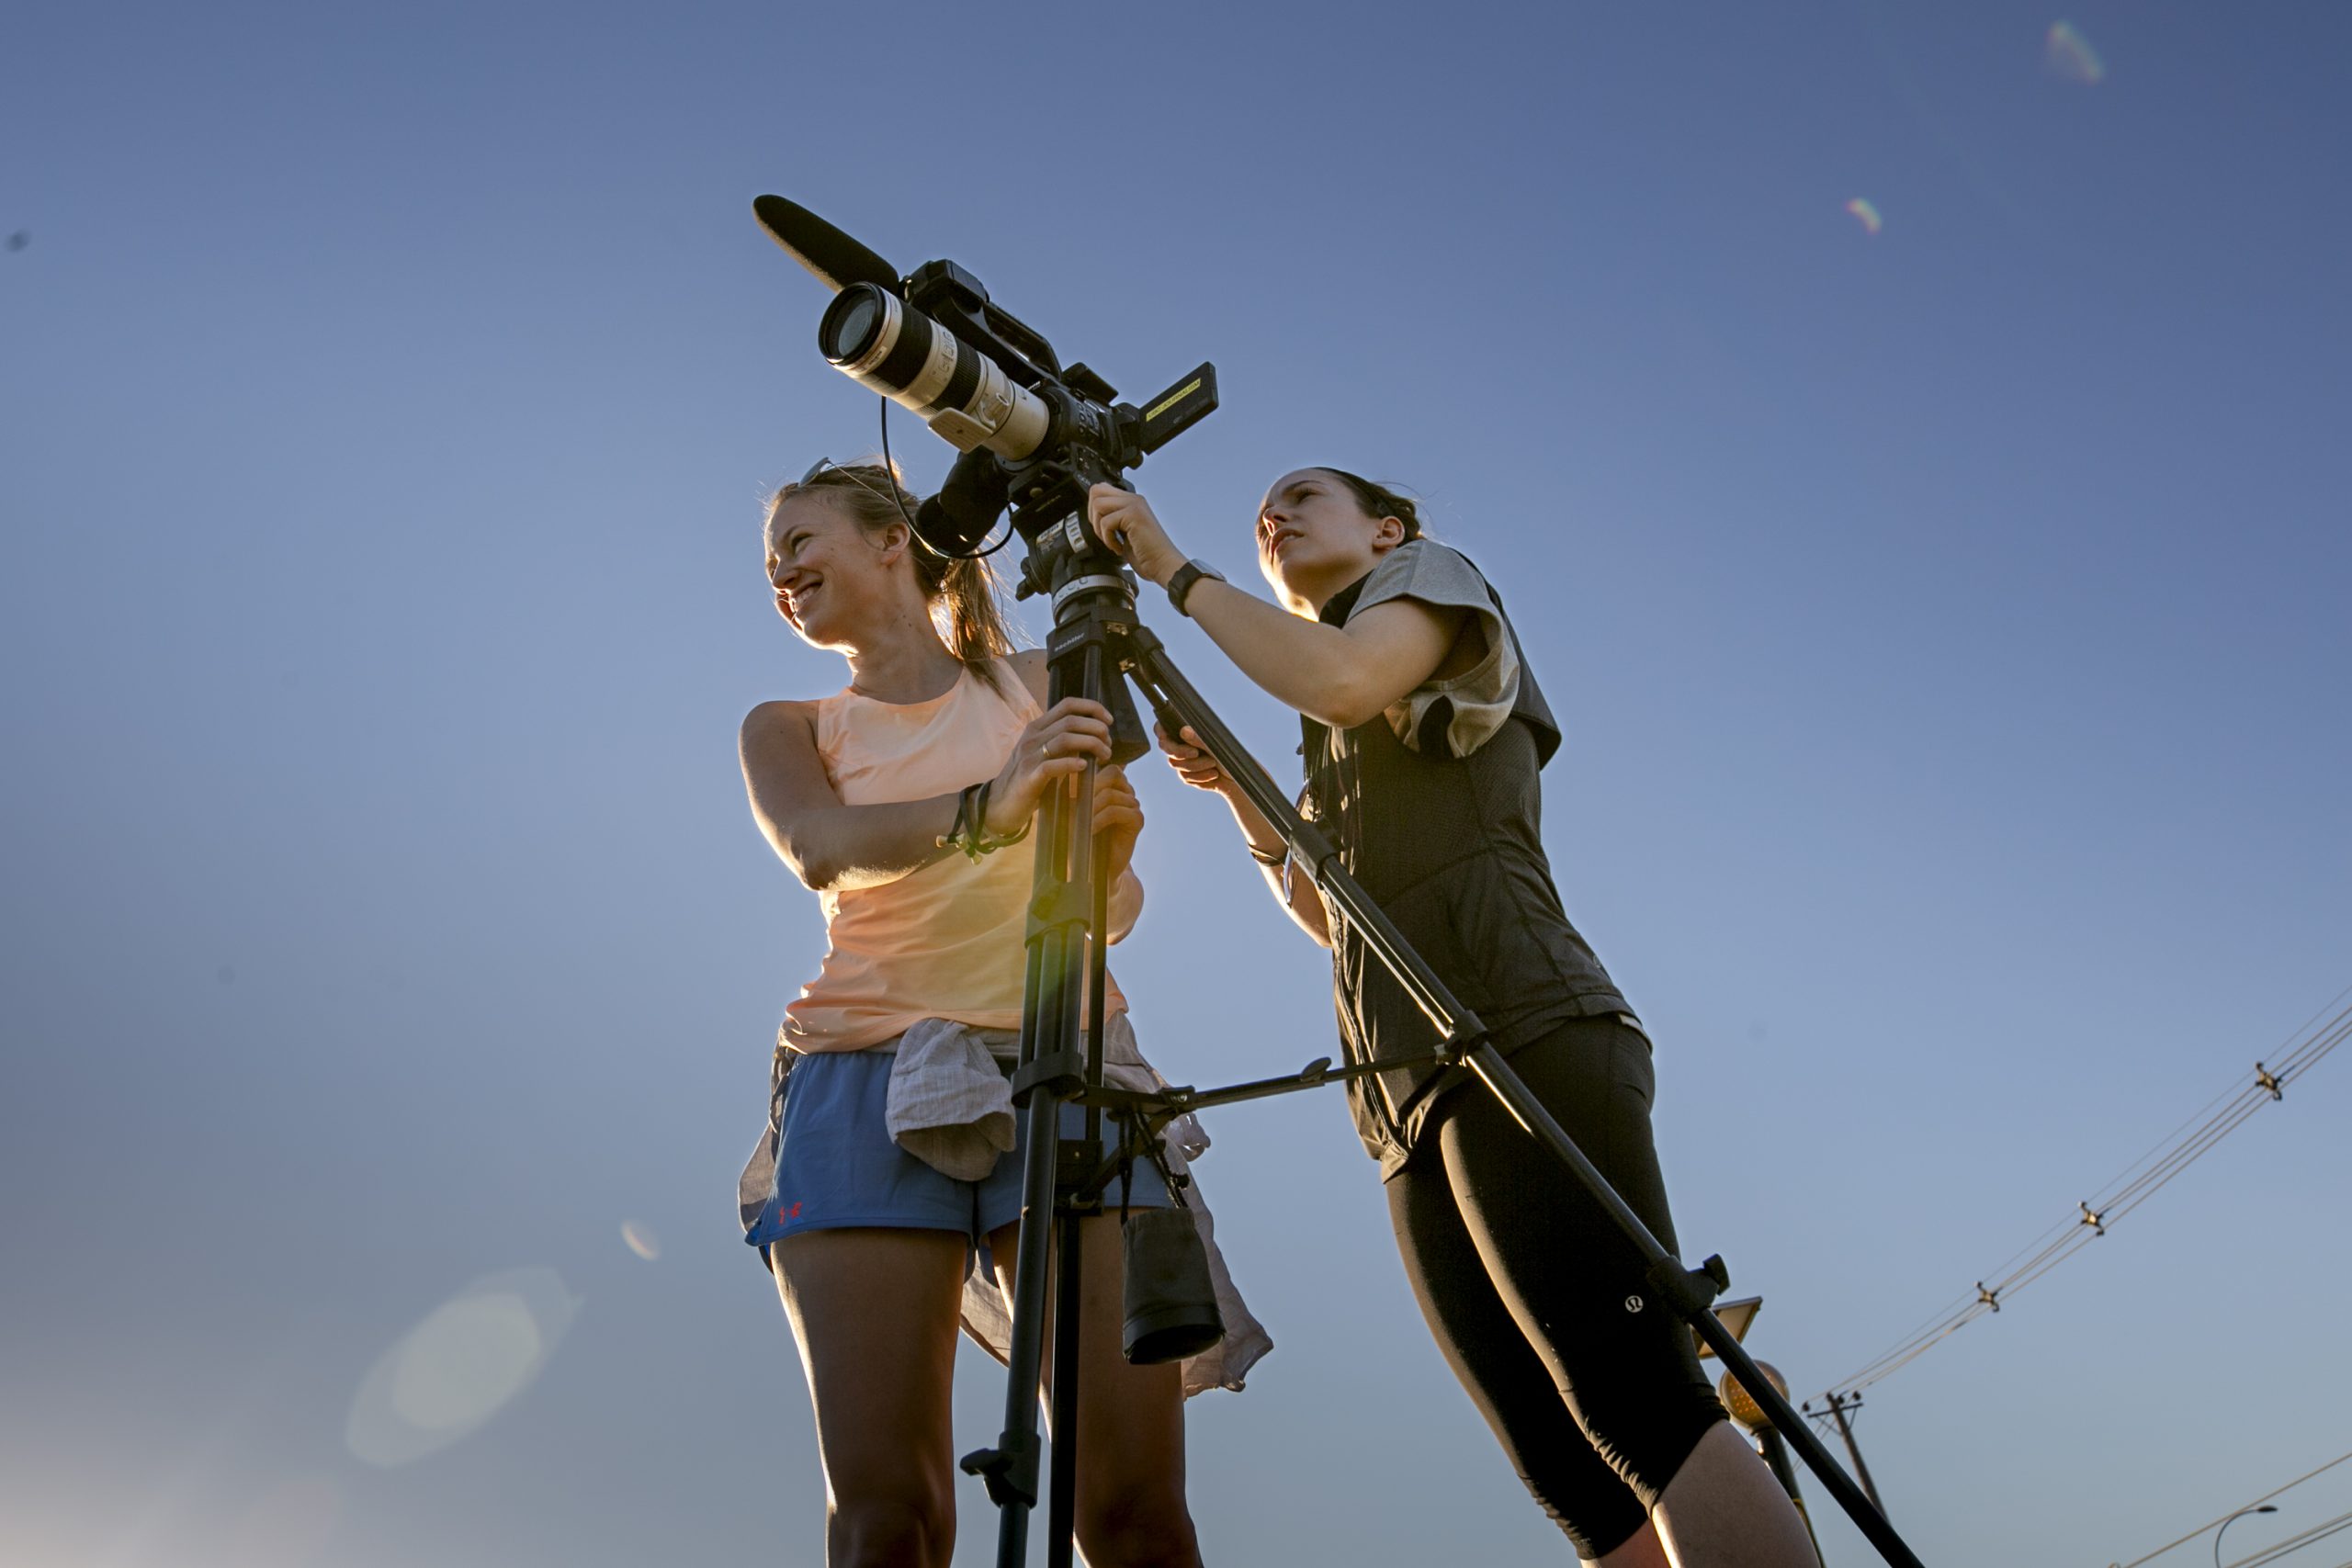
(832, 257)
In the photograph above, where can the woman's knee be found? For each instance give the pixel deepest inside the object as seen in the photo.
(911, 1525)
(1145, 1525)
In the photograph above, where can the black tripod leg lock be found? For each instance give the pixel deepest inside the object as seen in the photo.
(1689, 1291)
(1064, 1072)
(1009, 1472)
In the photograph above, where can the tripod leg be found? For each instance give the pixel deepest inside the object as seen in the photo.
(1069, 1294)
(1050, 1009)
(1011, 1467)
(1067, 865)
(1177, 704)
(1069, 1265)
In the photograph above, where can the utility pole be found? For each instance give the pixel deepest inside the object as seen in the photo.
(1838, 1405)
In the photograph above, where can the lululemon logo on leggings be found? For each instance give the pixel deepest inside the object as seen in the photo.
(1632, 1303)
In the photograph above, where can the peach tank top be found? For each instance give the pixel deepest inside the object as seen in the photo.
(946, 940)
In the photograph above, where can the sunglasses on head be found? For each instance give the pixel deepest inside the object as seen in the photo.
(822, 464)
(893, 495)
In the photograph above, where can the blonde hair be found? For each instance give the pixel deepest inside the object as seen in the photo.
(960, 590)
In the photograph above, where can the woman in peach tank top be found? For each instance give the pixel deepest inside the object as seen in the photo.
(943, 940)
(869, 1247)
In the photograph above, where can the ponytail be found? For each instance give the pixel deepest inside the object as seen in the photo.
(964, 607)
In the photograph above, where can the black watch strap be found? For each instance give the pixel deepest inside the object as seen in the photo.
(1180, 582)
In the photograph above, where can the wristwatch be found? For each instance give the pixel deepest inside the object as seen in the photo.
(1180, 582)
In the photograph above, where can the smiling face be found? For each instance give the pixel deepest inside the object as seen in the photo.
(834, 583)
(1315, 537)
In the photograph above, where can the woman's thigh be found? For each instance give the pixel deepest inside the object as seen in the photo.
(1130, 1419)
(875, 1313)
(1499, 1369)
(1625, 1363)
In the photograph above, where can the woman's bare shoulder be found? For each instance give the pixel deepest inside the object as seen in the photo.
(1029, 663)
(781, 719)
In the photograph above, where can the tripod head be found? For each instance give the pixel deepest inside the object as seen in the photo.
(1033, 435)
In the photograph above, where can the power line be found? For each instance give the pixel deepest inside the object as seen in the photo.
(2208, 1524)
(2139, 1182)
(2319, 1531)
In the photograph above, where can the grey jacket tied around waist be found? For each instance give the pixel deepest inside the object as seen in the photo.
(951, 1105)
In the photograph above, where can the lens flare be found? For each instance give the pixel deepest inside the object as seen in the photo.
(2069, 54)
(1865, 214)
(459, 1367)
(641, 1239)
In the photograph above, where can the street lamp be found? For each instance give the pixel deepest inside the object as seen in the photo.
(2264, 1509)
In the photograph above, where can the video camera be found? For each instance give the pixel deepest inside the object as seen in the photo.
(1034, 435)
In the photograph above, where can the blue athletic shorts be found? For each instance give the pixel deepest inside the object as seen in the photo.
(836, 1166)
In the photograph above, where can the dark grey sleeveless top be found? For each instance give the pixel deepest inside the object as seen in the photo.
(1451, 849)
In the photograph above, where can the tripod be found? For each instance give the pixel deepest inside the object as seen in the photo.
(1098, 645)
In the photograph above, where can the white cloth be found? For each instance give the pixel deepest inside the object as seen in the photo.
(950, 1105)
(1481, 697)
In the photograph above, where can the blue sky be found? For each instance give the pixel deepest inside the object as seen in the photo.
(1949, 621)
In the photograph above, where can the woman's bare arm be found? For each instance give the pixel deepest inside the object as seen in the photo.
(836, 848)
(831, 847)
(1296, 892)
(1343, 676)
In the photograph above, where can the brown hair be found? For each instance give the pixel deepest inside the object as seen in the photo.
(960, 590)
(1379, 500)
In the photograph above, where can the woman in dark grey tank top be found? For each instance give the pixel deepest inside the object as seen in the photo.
(1425, 735)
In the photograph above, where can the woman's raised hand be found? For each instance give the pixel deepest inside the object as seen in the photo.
(1191, 760)
(1126, 522)
(1197, 767)
(1055, 745)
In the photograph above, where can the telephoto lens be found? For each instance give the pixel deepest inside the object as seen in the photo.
(884, 343)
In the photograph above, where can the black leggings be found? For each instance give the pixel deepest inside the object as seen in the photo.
(1527, 1285)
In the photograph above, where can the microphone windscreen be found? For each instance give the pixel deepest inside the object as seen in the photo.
(836, 260)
